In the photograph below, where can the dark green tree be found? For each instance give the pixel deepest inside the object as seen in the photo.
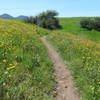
(46, 19)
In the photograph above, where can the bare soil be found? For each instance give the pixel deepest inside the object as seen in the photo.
(65, 88)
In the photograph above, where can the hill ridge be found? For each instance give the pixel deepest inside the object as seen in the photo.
(8, 16)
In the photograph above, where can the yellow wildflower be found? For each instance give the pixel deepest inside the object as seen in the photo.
(10, 64)
(4, 60)
(98, 53)
(7, 68)
(91, 87)
(10, 68)
(98, 59)
(98, 67)
(98, 82)
(13, 66)
(98, 90)
(83, 57)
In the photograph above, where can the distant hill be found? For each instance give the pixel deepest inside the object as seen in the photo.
(7, 16)
(21, 17)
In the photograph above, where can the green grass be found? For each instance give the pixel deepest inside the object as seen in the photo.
(26, 71)
(81, 55)
(72, 25)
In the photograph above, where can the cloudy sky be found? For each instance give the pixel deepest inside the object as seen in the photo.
(66, 8)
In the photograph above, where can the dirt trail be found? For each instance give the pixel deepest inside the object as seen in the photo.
(65, 88)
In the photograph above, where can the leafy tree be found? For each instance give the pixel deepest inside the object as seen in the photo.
(46, 19)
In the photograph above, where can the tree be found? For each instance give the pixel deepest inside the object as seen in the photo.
(46, 19)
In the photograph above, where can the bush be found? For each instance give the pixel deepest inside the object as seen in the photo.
(87, 23)
(97, 24)
(91, 23)
(46, 19)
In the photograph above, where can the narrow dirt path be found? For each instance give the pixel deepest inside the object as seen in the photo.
(65, 88)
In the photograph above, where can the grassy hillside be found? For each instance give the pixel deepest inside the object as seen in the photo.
(26, 71)
(72, 25)
(82, 57)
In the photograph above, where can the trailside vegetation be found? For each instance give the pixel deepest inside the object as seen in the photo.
(83, 59)
(26, 71)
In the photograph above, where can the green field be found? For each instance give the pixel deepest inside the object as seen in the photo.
(72, 25)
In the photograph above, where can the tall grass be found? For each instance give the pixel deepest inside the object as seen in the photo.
(26, 71)
(83, 59)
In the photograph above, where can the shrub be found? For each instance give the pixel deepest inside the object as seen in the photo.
(91, 23)
(30, 20)
(46, 19)
(87, 23)
(97, 24)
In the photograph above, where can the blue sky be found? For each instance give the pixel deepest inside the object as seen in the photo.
(66, 8)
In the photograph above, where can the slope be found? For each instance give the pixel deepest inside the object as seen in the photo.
(26, 71)
(83, 59)
(72, 25)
